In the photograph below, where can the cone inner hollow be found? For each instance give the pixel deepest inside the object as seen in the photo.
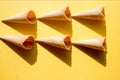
(31, 17)
(67, 13)
(67, 42)
(28, 43)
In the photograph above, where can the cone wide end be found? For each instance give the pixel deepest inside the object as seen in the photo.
(67, 42)
(28, 43)
(67, 14)
(31, 17)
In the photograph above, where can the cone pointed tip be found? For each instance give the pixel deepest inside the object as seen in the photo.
(1, 37)
(75, 43)
(40, 18)
(73, 16)
(36, 40)
(3, 20)
(39, 40)
(72, 43)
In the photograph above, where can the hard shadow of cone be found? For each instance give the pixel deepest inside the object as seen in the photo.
(98, 26)
(26, 29)
(63, 27)
(97, 55)
(61, 54)
(30, 56)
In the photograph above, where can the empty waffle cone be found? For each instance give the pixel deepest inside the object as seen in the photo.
(58, 41)
(26, 42)
(27, 17)
(98, 43)
(63, 14)
(95, 14)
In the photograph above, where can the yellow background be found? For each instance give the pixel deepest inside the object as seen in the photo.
(46, 63)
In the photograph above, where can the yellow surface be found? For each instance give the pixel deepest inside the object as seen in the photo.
(44, 63)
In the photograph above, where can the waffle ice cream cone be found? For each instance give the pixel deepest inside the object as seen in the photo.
(94, 14)
(57, 41)
(27, 17)
(63, 14)
(98, 43)
(26, 41)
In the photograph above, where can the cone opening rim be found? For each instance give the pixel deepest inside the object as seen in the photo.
(103, 11)
(67, 42)
(31, 17)
(67, 14)
(28, 43)
(104, 44)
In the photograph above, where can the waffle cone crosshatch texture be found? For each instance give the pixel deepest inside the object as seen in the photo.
(63, 40)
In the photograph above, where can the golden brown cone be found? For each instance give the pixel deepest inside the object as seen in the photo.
(58, 41)
(27, 17)
(63, 14)
(98, 43)
(26, 41)
(95, 14)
